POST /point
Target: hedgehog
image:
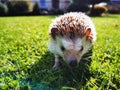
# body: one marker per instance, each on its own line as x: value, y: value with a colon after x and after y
x: 71, y: 36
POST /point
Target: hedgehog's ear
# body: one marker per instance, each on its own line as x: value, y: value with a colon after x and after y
x: 54, y: 32
x: 88, y: 32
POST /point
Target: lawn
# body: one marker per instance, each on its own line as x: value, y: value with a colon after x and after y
x: 26, y: 63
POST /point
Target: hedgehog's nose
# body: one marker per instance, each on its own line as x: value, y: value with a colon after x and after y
x: 73, y: 63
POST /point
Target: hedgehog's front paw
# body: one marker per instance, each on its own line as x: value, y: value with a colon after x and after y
x: 56, y: 62
x: 56, y: 65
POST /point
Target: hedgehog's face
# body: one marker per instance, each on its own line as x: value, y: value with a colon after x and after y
x: 72, y: 51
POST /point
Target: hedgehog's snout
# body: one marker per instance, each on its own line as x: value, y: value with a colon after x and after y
x: 73, y: 62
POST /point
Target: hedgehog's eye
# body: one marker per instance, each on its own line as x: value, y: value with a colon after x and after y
x: 81, y: 49
x: 62, y: 48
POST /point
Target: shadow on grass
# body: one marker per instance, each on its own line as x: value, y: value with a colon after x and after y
x: 63, y: 76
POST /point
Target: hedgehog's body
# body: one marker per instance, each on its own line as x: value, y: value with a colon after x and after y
x: 72, y: 34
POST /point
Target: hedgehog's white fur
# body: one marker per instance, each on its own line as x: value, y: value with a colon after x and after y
x: 69, y: 44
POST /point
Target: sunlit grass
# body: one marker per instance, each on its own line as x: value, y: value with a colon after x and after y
x: 26, y: 63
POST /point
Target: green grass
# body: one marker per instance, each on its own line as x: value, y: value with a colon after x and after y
x: 26, y: 63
